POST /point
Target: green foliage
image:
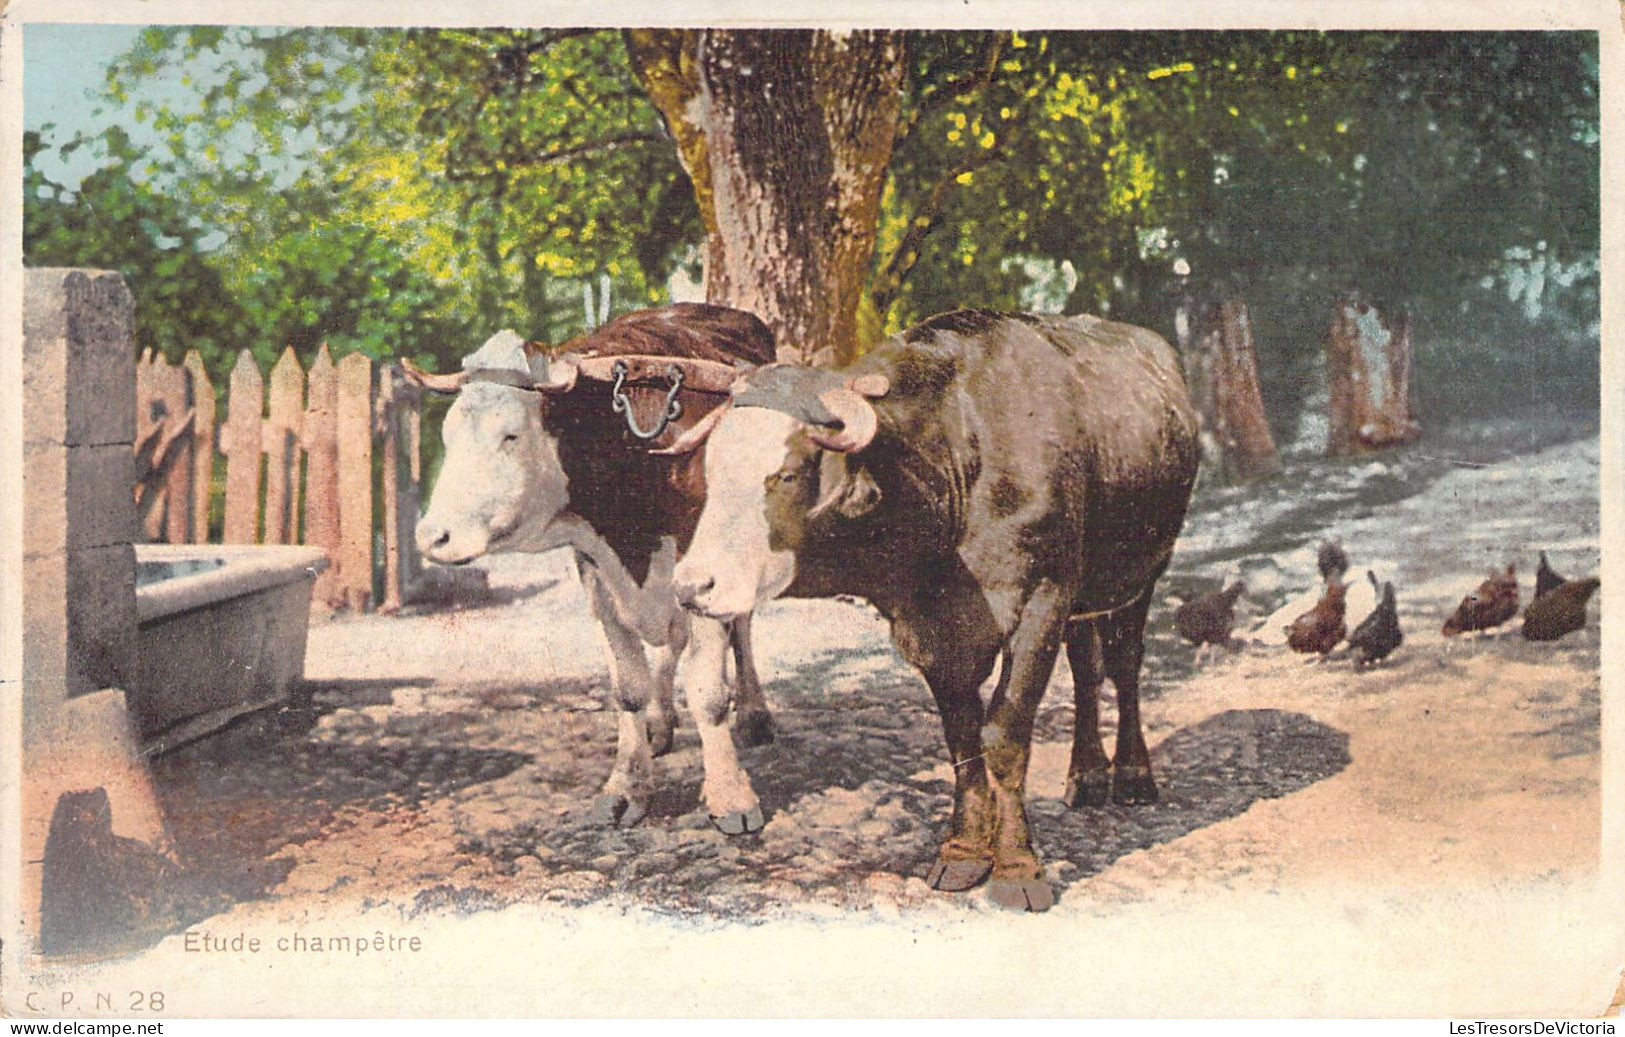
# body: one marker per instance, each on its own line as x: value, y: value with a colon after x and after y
x: 406, y: 191
x: 1282, y: 166
x: 113, y: 222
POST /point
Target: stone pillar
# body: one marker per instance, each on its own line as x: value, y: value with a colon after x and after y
x: 78, y: 589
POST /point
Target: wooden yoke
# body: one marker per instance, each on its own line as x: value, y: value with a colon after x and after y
x: 707, y: 376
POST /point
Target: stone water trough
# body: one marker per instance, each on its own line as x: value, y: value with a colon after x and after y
x: 221, y: 632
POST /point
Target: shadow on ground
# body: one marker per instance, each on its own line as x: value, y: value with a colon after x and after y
x: 496, y: 785
x: 850, y: 812
x: 232, y: 801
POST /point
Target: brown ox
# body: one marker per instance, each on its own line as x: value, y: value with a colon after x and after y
x: 996, y: 484
x: 539, y: 455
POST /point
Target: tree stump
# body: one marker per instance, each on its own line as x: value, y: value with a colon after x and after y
x: 1221, y: 370
x: 1368, y: 370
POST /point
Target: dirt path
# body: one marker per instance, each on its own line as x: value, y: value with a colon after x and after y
x: 456, y: 771
x: 453, y: 753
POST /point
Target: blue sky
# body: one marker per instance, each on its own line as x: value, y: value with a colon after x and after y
x: 64, y: 73
x: 63, y: 65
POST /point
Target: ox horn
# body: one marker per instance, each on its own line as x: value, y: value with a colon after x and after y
x: 851, y: 407
x: 440, y: 383
x: 552, y: 374
x: 690, y: 441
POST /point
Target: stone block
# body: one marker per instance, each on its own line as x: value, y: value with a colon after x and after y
x: 45, y: 626
x: 79, y: 626
x: 76, y: 497
x: 78, y: 358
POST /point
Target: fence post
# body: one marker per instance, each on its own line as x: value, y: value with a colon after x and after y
x: 149, y: 425
x: 401, y: 403
x: 163, y: 450
x: 201, y: 399
x: 354, y: 421
x: 281, y: 438
x: 240, y: 441
x: 320, y: 440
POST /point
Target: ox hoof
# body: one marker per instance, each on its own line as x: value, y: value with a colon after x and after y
x: 660, y: 737
x: 617, y: 811
x: 739, y: 822
x: 1088, y: 790
x: 1021, y: 894
x: 1134, y: 787
x: 753, y: 727
x: 958, y: 875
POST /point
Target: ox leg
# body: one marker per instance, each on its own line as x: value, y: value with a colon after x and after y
x: 1123, y: 645
x: 662, y: 712
x: 954, y: 648
x: 753, y: 724
x: 1018, y: 881
x: 966, y: 857
x: 1089, y: 776
x: 955, y: 654
x: 727, y: 791
x: 624, y: 798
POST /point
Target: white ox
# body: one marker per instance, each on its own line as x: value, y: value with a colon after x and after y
x: 506, y: 485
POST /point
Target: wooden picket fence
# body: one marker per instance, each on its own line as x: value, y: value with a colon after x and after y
x: 300, y: 451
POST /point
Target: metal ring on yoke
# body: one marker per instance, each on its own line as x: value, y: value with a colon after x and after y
x: 670, y: 411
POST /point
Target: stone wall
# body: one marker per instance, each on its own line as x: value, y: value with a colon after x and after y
x: 79, y: 424
x: 79, y: 619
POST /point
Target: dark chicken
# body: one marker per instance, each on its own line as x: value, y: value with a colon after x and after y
x: 1207, y: 620
x: 1378, y: 634
x: 1559, y: 611
x: 1546, y: 578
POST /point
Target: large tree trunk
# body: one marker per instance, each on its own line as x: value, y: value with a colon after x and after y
x: 786, y: 135
x: 1221, y: 370
x: 1368, y: 370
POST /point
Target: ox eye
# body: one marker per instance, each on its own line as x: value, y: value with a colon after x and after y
x: 512, y: 437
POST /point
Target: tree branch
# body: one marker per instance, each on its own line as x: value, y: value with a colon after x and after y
x: 588, y: 147
x: 552, y: 36
x: 954, y: 89
x: 930, y: 211
x: 925, y: 220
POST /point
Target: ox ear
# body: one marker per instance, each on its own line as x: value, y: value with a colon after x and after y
x: 844, y: 487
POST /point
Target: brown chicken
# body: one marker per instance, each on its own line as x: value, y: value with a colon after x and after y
x: 1546, y: 578
x: 1207, y: 620
x: 1493, y: 603
x: 1321, y: 628
x: 1559, y: 611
